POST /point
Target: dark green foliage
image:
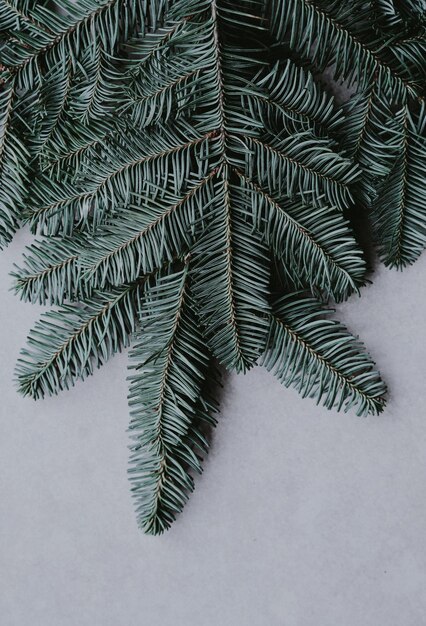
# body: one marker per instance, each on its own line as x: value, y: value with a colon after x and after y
x: 320, y: 357
x: 169, y: 405
x: 69, y: 343
x: 51, y: 272
x: 381, y: 48
x: 13, y: 164
x: 182, y: 154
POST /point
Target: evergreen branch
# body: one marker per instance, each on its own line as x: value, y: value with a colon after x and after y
x: 231, y: 283
x: 70, y: 343
x: 111, y: 182
x: 292, y: 92
x: 141, y: 52
x: 25, y: 17
x: 320, y: 358
x: 316, y: 245
x: 400, y: 14
x: 173, y: 149
x: 339, y: 44
x: 84, y: 19
x: 13, y: 166
x: 399, y: 209
x: 97, y: 95
x: 360, y: 115
x: 51, y: 272
x: 171, y: 363
x: 168, y: 84
x: 398, y: 42
x: 136, y: 244
x: 390, y: 147
x: 54, y: 95
x: 300, y: 166
x: 79, y: 146
x: 169, y: 99
x: 98, y: 86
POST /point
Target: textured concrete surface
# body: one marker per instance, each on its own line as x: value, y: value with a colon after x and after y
x: 303, y: 517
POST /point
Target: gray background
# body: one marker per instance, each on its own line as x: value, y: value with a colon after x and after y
x: 303, y: 517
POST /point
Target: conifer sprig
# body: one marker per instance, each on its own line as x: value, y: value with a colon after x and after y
x: 169, y: 364
x: 381, y: 49
x: 181, y: 155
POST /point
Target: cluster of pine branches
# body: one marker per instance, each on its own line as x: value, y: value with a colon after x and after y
x: 191, y: 181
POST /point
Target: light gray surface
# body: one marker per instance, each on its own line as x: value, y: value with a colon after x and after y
x: 303, y: 517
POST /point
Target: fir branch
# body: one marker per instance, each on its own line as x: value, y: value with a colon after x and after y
x: 307, y: 167
x: 112, y: 183
x: 231, y: 283
x: 9, y: 12
x: 355, y: 59
x: 320, y: 358
x: 170, y: 364
x: 175, y: 149
x: 13, y: 165
x: 78, y: 148
x: 390, y: 146
x: 137, y: 244
x: 316, y: 245
x: 20, y: 58
x: 51, y: 271
x: 399, y: 209
x: 70, y: 343
x: 292, y: 92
